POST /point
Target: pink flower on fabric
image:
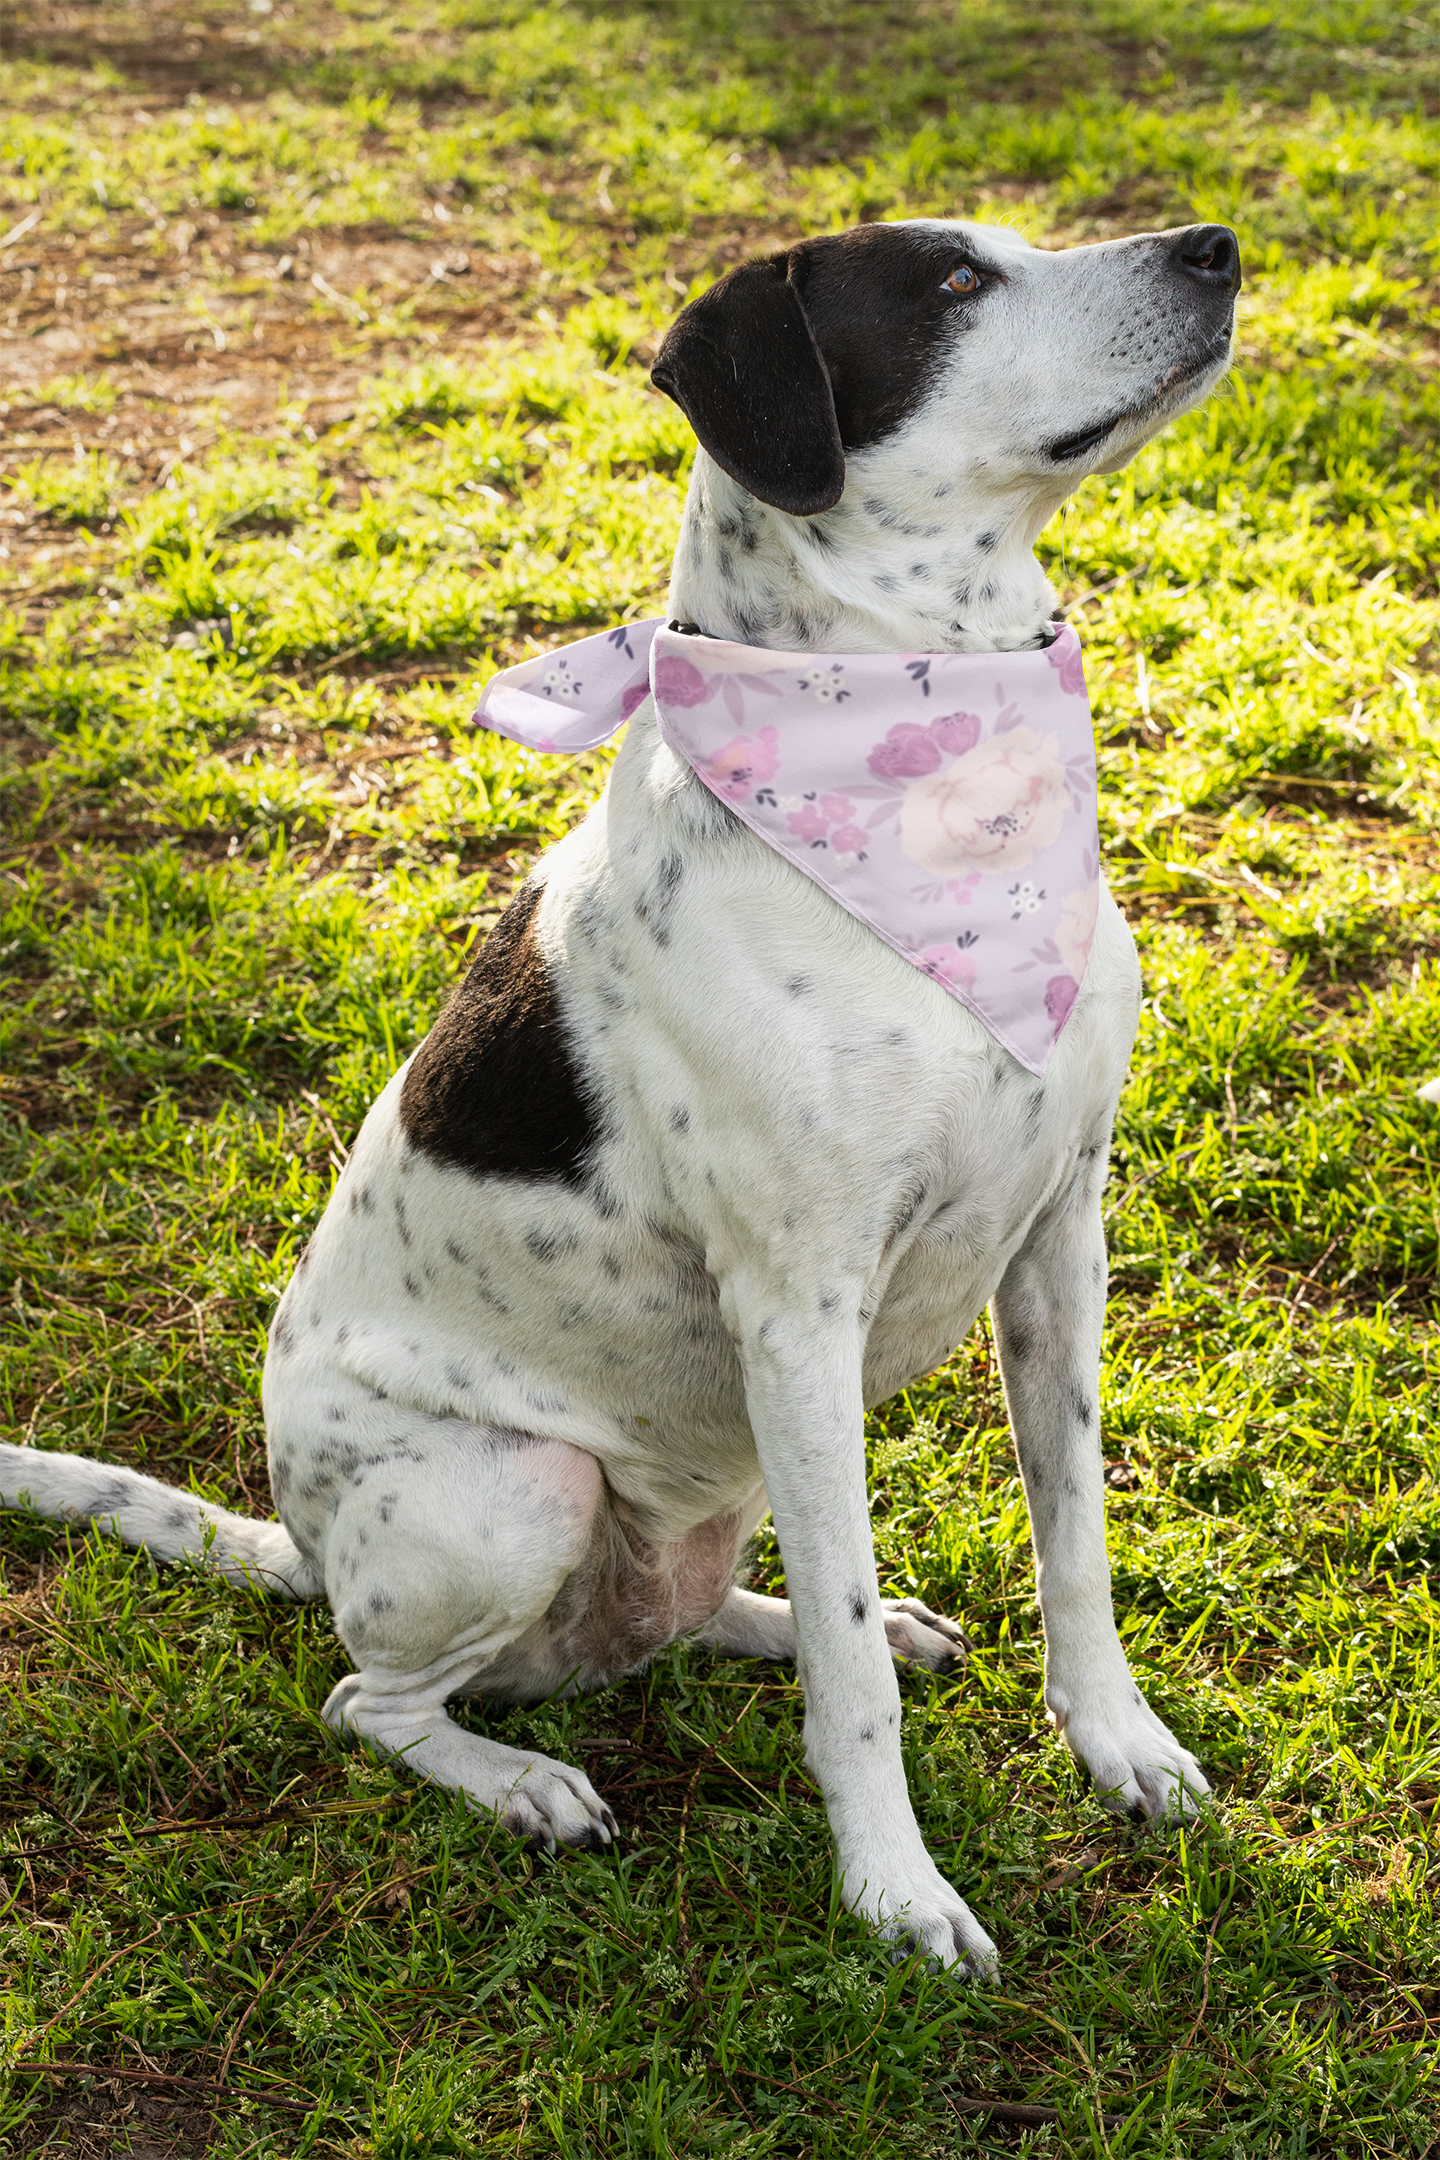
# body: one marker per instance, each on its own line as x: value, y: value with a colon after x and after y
x: 837, y: 808
x: 810, y: 823
x: 947, y: 964
x: 906, y: 752
x: 1060, y: 994
x: 1069, y: 664
x: 634, y: 697
x: 678, y: 682
x: 746, y: 763
x: 909, y: 750
x: 993, y: 809
x: 1075, y: 931
x: 849, y: 840
x: 956, y: 732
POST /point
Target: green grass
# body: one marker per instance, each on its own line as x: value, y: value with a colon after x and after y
x: 249, y: 840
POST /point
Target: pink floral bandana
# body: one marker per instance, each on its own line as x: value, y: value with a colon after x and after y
x: 947, y: 800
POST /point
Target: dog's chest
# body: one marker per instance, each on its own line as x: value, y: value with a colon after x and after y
x: 752, y: 1048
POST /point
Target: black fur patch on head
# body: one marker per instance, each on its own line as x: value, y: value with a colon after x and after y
x: 742, y: 364
x: 787, y: 364
x: 494, y: 1087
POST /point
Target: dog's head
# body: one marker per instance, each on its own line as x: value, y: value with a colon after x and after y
x: 957, y: 346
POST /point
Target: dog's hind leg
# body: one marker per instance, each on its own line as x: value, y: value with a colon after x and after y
x: 440, y: 1563
x: 764, y: 1627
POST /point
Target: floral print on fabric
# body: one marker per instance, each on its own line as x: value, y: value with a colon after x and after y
x: 909, y: 750
x: 946, y: 800
x: 995, y: 808
x: 1069, y: 665
x: 738, y: 768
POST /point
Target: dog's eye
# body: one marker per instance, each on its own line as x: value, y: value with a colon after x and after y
x: 963, y: 279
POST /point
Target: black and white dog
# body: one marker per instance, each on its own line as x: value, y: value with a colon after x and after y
x: 693, y: 1167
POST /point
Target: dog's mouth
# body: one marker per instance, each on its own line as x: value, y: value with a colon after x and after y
x: 1069, y: 447
x: 1065, y: 449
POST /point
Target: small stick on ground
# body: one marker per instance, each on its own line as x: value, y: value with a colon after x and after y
x: 1029, y: 2114
x: 202, y: 2088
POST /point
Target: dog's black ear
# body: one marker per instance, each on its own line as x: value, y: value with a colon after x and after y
x: 742, y: 364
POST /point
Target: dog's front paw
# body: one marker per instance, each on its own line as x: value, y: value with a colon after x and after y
x: 1138, y: 1767
x: 925, y: 1917
x: 923, y: 1637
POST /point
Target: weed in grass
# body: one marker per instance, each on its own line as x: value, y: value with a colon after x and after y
x: 326, y: 395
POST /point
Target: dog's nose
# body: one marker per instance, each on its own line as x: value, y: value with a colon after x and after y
x: 1210, y: 254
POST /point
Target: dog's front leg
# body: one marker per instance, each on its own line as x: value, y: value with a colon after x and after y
x: 803, y: 1391
x: 1049, y: 1314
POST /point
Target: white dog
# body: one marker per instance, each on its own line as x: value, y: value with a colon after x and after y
x: 693, y: 1167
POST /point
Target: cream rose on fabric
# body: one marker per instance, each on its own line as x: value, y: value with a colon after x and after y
x: 992, y: 809
x: 1075, y: 931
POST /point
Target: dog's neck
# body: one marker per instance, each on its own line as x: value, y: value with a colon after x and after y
x: 905, y: 562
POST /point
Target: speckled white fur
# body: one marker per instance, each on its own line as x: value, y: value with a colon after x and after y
x: 520, y: 1430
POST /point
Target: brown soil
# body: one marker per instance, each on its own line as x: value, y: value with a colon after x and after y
x: 102, y: 2118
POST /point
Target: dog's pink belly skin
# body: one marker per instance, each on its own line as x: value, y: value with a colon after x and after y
x: 628, y: 1598
x: 635, y: 1594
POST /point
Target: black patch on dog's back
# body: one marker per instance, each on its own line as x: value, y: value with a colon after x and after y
x: 493, y: 1087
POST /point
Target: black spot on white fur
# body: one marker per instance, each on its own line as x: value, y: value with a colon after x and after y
x: 494, y: 1087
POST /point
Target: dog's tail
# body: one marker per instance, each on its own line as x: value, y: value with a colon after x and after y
x: 168, y: 1523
